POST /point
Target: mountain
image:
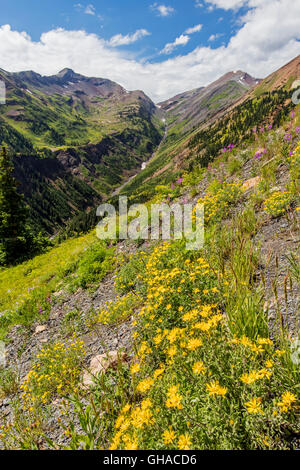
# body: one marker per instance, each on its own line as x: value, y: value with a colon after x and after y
x: 195, y: 106
x: 76, y: 139
x: 203, y: 121
x: 145, y: 344
x: 72, y: 132
x: 283, y: 77
x: 267, y: 104
x: 185, y: 114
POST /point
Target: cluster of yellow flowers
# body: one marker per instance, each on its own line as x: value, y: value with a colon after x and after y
x: 174, y: 398
x: 116, y: 311
x: 214, y: 388
x: 174, y: 373
x: 253, y: 406
x: 277, y: 203
x: 287, y: 400
x: 252, y: 376
x: 55, y: 372
x: 217, y: 205
x: 137, y: 417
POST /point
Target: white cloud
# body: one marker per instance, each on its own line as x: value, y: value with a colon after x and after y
x: 180, y: 41
x: 90, y: 10
x: 213, y: 37
x: 267, y: 39
x: 120, y: 40
x: 162, y: 10
x: 194, y: 29
x: 227, y: 4
x: 198, y: 4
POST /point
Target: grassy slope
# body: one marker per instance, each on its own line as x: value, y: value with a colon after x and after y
x: 35, y: 115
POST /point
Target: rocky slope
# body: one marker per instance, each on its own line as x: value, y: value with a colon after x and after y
x: 196, y: 106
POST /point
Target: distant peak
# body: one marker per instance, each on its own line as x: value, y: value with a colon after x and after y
x: 27, y: 74
x: 66, y: 72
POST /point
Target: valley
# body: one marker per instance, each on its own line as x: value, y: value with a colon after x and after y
x: 80, y: 137
x: 142, y: 344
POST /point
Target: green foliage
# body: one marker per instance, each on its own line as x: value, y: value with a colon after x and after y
x: 234, y: 165
x: 17, y: 242
x: 25, y: 289
x: 93, y: 265
x: 129, y: 275
x: 277, y: 203
x: 219, y: 198
x: 9, y: 382
x: 239, y: 125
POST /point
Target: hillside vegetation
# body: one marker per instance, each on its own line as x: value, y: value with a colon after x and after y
x: 207, y: 340
x: 74, y: 140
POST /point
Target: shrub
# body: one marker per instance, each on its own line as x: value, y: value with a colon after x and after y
x: 55, y: 372
x: 277, y: 203
x: 218, y: 201
x: 234, y: 165
x: 93, y: 265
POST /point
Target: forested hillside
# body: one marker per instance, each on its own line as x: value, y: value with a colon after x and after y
x: 76, y: 136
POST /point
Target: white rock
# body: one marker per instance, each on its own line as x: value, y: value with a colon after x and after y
x: 100, y: 364
x: 39, y: 329
x: 251, y: 183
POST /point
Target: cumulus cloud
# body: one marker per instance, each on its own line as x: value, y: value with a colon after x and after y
x: 268, y: 37
x: 180, y: 41
x: 120, y: 40
x: 194, y: 29
x: 162, y: 10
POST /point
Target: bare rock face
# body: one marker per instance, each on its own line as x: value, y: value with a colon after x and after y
x: 40, y: 329
x: 101, y: 363
x: 251, y: 183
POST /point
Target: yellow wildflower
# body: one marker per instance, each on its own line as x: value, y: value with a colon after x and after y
x: 168, y: 436
x: 184, y: 442
x: 287, y: 399
x: 214, y: 388
x: 198, y: 368
x: 254, y: 406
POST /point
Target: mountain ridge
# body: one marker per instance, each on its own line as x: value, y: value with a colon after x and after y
x: 201, y: 103
x: 99, y: 133
x: 267, y: 102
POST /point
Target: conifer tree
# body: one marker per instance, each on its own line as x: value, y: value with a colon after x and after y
x: 13, y: 212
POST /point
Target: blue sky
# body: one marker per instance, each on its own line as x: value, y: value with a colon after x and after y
x: 162, y: 47
x: 165, y: 21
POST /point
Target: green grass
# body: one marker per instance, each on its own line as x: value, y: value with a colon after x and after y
x: 25, y: 290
